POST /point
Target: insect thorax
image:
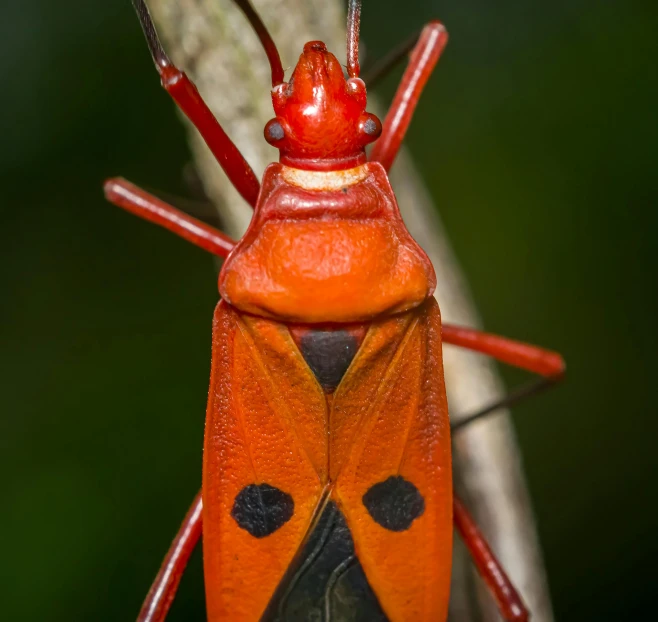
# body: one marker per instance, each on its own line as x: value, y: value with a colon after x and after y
x: 326, y: 247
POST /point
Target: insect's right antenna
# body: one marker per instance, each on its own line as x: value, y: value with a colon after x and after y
x: 160, y: 57
x: 265, y: 39
x: 353, y: 25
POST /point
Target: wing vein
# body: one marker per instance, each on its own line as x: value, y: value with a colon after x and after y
x: 274, y: 395
x: 366, y: 424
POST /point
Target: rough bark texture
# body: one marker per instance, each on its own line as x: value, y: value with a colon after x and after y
x: 213, y: 43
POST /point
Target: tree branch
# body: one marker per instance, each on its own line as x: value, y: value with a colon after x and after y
x: 212, y: 42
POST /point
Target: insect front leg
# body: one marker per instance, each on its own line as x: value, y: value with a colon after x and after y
x: 161, y: 595
x: 548, y: 364
x: 424, y: 57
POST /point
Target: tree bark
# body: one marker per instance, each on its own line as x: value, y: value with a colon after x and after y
x: 212, y: 41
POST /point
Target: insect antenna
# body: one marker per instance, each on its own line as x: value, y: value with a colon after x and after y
x: 353, y: 26
x: 162, y: 60
x: 266, y: 40
x: 160, y: 57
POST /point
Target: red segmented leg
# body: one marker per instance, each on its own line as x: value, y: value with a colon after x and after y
x: 508, y: 599
x: 546, y: 363
x: 524, y: 355
x: 139, y: 202
x: 162, y: 592
x: 424, y: 57
x: 185, y: 94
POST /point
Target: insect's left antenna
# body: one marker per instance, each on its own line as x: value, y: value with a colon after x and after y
x: 353, y: 27
x: 186, y: 95
x: 266, y: 40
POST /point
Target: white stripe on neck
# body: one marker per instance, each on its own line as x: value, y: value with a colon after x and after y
x: 324, y: 180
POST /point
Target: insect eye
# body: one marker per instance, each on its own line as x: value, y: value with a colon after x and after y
x: 371, y: 127
x: 274, y: 132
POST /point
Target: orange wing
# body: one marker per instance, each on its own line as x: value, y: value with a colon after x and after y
x: 391, y: 464
x: 379, y: 446
x: 264, y: 462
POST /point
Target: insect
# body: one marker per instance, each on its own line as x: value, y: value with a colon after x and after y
x: 327, y: 479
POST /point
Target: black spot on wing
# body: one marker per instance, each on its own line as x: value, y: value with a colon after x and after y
x: 328, y: 353
x: 261, y: 509
x: 394, y: 503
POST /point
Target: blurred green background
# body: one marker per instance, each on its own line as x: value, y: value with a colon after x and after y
x: 537, y: 137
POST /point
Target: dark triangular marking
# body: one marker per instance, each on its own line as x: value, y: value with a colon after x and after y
x: 326, y: 582
x: 328, y: 353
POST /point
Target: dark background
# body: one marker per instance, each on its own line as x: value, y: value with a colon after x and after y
x: 538, y: 140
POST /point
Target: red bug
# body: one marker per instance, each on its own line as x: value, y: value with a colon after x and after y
x: 327, y: 481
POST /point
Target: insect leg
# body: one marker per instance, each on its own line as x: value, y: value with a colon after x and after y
x: 424, y: 57
x: 524, y: 355
x: 139, y: 202
x: 514, y: 397
x: 162, y: 592
x: 508, y: 599
x: 550, y: 365
x: 186, y: 95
